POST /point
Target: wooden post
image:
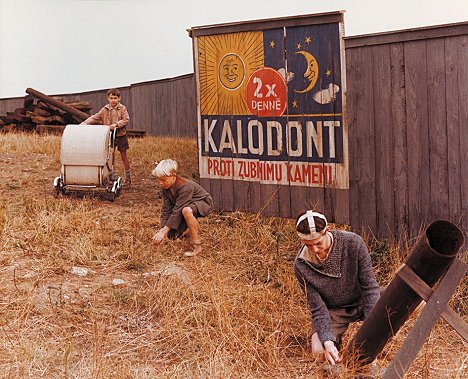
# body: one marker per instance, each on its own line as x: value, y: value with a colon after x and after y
x: 81, y: 116
x: 436, y: 306
x: 423, y: 290
x: 430, y: 259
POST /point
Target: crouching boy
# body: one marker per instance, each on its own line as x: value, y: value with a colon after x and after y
x: 183, y: 202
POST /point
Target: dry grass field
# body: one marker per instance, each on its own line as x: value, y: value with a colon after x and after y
x: 235, y: 311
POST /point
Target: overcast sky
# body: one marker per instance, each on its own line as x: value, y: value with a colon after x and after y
x: 66, y: 46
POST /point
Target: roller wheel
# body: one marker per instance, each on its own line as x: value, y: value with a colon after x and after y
x: 58, y: 187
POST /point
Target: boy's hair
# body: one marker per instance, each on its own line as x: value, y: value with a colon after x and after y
x: 113, y: 91
x: 166, y: 167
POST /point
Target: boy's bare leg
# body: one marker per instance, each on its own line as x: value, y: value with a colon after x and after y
x: 126, y: 163
x: 192, y: 224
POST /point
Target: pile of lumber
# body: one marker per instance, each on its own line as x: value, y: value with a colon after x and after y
x: 42, y: 114
x: 47, y: 114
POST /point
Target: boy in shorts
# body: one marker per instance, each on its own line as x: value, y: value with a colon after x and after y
x: 183, y: 202
x: 116, y: 116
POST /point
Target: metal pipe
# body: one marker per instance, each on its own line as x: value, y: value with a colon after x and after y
x: 429, y: 259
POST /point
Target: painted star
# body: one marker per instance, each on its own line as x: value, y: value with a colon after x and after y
x: 294, y: 104
x: 328, y: 72
x: 299, y: 46
x: 307, y: 40
x: 272, y: 44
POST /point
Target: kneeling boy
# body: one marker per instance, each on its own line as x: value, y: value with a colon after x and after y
x: 183, y: 201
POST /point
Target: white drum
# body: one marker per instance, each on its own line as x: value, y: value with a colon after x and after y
x: 84, y: 154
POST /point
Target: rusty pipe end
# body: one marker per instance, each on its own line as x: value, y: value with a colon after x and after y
x: 444, y: 237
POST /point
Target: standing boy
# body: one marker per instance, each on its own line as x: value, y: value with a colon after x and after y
x: 116, y: 116
x: 183, y: 201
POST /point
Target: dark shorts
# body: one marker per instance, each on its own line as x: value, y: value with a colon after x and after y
x: 121, y: 143
x: 341, y: 318
x: 174, y: 234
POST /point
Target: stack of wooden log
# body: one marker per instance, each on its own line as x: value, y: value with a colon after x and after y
x: 39, y: 115
x: 46, y: 114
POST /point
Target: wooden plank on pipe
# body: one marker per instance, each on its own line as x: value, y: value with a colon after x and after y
x: 426, y: 321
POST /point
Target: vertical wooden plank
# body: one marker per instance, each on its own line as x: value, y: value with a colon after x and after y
x: 179, y: 100
x: 284, y: 200
x: 145, y: 109
x: 462, y: 49
x: 171, y: 96
x: 165, y: 110
x: 153, y: 108
x: 398, y: 125
x: 135, y: 110
x: 341, y: 203
x: 126, y: 98
x: 418, y: 135
x: 165, y: 125
x: 352, y: 62
x: 452, y: 47
x: 185, y: 92
x: 437, y: 125
x: 364, y: 144
x: 140, y: 118
x: 304, y: 198
x: 383, y: 128
x: 191, y: 108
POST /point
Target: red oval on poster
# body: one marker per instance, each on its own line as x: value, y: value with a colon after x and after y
x: 266, y: 93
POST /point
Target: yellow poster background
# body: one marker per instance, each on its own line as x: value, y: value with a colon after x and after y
x: 226, y: 62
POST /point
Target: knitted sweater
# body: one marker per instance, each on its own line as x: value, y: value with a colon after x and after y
x: 345, y: 279
x: 183, y: 193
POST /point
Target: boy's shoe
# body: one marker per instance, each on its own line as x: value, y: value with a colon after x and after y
x: 127, y: 182
x: 196, y: 249
x: 128, y: 179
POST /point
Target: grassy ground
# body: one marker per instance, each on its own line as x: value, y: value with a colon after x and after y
x: 235, y: 311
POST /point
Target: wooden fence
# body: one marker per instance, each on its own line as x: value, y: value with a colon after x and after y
x: 407, y: 113
x: 164, y: 107
x: 408, y: 129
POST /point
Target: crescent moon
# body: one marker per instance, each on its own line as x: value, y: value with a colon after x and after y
x: 312, y: 70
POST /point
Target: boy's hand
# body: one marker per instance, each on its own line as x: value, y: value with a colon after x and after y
x: 113, y: 126
x: 331, y: 352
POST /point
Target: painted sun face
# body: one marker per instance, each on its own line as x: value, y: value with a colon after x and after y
x: 225, y: 62
x: 231, y: 71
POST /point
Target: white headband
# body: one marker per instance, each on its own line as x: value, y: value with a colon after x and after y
x: 314, y: 234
